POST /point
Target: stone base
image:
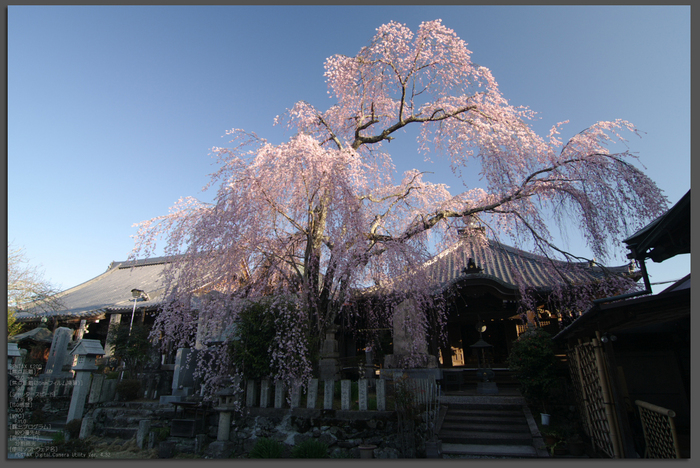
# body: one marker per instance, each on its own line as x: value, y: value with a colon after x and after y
x: 184, y: 392
x: 220, y: 449
x: 433, y: 449
x: 166, y: 399
x: 486, y: 388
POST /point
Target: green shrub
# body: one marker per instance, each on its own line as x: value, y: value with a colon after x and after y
x: 310, y: 448
x: 73, y: 428
x: 129, y: 389
x: 534, y: 364
x: 131, y: 345
x: 267, y: 448
x: 59, y: 437
x: 162, y: 433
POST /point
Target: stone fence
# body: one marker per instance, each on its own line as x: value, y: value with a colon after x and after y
x: 264, y: 394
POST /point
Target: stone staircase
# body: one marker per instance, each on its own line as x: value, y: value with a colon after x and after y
x: 21, y: 442
x: 121, y: 420
x: 490, y: 426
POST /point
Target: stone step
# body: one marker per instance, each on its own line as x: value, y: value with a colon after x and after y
x: 124, y: 433
x: 485, y: 419
x: 483, y: 413
x: 510, y: 451
x: 485, y: 437
x: 490, y: 407
x: 493, y: 427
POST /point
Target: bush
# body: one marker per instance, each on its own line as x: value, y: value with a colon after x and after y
x: 73, y: 428
x: 310, y: 448
x: 129, y: 389
x: 162, y: 433
x: 267, y: 448
x: 59, y: 437
x: 534, y: 364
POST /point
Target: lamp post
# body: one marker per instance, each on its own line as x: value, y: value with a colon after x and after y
x: 136, y: 294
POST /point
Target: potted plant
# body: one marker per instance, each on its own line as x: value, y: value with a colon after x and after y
x: 555, y: 440
x: 534, y: 365
x: 551, y: 436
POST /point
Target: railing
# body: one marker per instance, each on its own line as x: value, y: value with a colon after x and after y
x: 659, y: 431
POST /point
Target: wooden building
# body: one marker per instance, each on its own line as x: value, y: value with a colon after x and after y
x: 628, y: 354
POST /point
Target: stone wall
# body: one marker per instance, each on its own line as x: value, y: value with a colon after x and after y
x: 343, y: 431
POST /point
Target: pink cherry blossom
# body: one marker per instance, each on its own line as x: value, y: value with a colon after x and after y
x: 323, y: 218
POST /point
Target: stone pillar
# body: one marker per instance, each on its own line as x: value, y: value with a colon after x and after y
x: 328, y: 387
x: 80, y: 392
x: 265, y: 393
x: 87, y: 427
x: 345, y: 393
x: 295, y: 394
x: 279, y: 394
x: 312, y: 393
x: 224, y: 426
x: 381, y: 395
x: 142, y: 433
x: 96, y: 388
x: 362, y: 393
x: 109, y: 390
x: 250, y: 394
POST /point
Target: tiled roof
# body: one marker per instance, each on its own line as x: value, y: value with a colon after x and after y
x: 503, y: 264
x: 111, y: 291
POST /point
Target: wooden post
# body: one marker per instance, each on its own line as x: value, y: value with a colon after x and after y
x: 584, y: 394
x: 605, y: 388
x: 625, y: 432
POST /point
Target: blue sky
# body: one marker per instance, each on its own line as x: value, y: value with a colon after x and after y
x: 112, y: 110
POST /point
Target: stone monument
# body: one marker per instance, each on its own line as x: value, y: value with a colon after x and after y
x: 58, y: 354
x: 329, y: 368
x: 410, y: 351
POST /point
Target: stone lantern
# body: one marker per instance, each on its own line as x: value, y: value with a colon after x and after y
x: 227, y: 402
x: 12, y: 355
x: 484, y: 357
x: 228, y: 399
x: 85, y: 354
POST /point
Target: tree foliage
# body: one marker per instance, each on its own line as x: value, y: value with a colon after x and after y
x: 250, y: 349
x: 324, y: 214
x: 131, y: 345
x: 26, y: 288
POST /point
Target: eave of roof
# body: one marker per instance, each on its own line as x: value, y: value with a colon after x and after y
x: 509, y: 267
x: 109, y: 292
x: 670, y: 304
x: 666, y: 236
